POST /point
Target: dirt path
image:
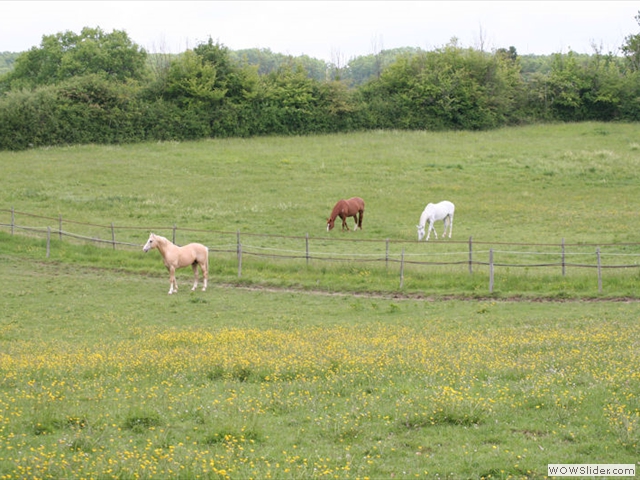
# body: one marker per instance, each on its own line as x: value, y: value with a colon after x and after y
x: 423, y: 297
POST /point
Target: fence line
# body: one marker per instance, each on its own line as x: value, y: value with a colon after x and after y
x: 402, y: 258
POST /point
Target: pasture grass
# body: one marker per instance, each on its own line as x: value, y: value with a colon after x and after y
x: 336, y: 371
x: 103, y: 375
x: 377, y: 277
x: 532, y: 185
x: 535, y: 184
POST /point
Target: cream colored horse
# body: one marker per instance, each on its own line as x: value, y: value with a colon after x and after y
x: 175, y: 257
x: 434, y: 212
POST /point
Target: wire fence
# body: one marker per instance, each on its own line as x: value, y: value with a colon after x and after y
x: 470, y: 254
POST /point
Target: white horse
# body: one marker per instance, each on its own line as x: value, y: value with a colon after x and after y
x: 434, y: 212
x: 174, y: 257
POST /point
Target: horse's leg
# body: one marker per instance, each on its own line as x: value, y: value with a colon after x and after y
x: 360, y: 220
x: 194, y: 266
x: 431, y: 228
x: 173, y: 287
x: 450, y: 225
x: 205, y: 273
x: 344, y: 223
x: 355, y: 219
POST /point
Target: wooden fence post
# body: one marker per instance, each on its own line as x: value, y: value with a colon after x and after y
x: 402, y: 269
x: 113, y: 236
x: 599, y: 270
x: 470, y: 255
x: 239, y: 253
x: 174, y: 233
x: 386, y: 255
x: 48, y: 241
x: 306, y: 239
x: 60, y: 227
x: 491, y: 270
x: 13, y: 220
x: 563, y: 260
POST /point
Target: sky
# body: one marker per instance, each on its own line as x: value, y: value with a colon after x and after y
x: 334, y: 31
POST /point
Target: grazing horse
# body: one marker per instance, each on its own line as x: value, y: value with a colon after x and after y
x: 433, y: 212
x: 354, y: 207
x: 175, y: 257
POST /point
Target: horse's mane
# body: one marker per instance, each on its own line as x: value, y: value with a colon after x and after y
x: 162, y: 240
x: 337, y: 207
x: 424, y: 214
x: 161, y: 237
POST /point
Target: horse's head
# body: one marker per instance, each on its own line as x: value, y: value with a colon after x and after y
x: 330, y: 223
x: 421, y: 232
x: 150, y: 243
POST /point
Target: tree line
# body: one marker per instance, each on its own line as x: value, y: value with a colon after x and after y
x: 99, y: 87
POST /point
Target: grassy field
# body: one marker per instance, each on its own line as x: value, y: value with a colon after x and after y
x: 106, y: 376
x: 531, y: 184
x: 534, y: 185
x: 335, y: 373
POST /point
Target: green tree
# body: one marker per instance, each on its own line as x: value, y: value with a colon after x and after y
x: 238, y: 82
x: 191, y: 80
x: 565, y: 86
x: 66, y: 55
x: 287, y: 101
x: 604, y: 90
x: 450, y: 88
x: 7, y: 61
x: 631, y: 48
x: 267, y: 61
x: 213, y: 88
x: 361, y: 69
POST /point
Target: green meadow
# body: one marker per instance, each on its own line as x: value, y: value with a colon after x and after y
x: 535, y: 185
x: 531, y: 184
x: 327, y: 369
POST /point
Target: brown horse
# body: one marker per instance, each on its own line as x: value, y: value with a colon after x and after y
x: 354, y: 207
x: 175, y: 257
